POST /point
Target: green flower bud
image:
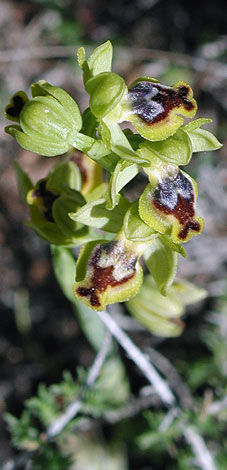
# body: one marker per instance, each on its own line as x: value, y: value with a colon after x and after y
x: 108, y: 272
x: 106, y: 90
x: 48, y: 123
x: 51, y: 200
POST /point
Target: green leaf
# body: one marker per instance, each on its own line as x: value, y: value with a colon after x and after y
x: 134, y: 227
x: 23, y: 181
x: 96, y: 215
x: 162, y: 263
x: 101, y: 59
x: 203, y: 141
x: 176, y: 149
x: 123, y: 173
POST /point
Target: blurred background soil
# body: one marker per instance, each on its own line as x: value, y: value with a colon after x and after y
x: 177, y: 40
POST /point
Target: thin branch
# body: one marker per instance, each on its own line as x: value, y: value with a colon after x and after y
x: 139, y: 358
x: 134, y: 407
x: 169, y: 418
x: 71, y: 411
x: 174, y: 379
x: 204, y: 459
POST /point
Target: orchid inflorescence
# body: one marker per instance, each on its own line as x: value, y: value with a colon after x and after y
x: 73, y: 205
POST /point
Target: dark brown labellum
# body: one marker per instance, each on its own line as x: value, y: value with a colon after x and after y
x: 103, y: 262
x: 175, y: 196
x: 153, y: 102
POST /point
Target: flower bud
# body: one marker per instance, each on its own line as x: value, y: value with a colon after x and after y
x: 51, y: 200
x: 48, y: 123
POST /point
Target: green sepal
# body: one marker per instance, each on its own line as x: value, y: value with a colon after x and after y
x: 49, y: 231
x: 105, y: 90
x: 176, y: 149
x: 188, y: 293
x: 101, y: 59
x: 15, y: 106
x: 203, y: 140
x: 118, y: 277
x: 162, y: 263
x: 60, y: 210
x: 45, y: 118
x: 23, y: 181
x: 159, y: 314
x: 64, y: 174
x: 37, y: 145
x: 90, y: 123
x: 134, y: 227
x: 95, y: 214
x: 123, y: 173
x: 97, y: 192
x: 70, y: 106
